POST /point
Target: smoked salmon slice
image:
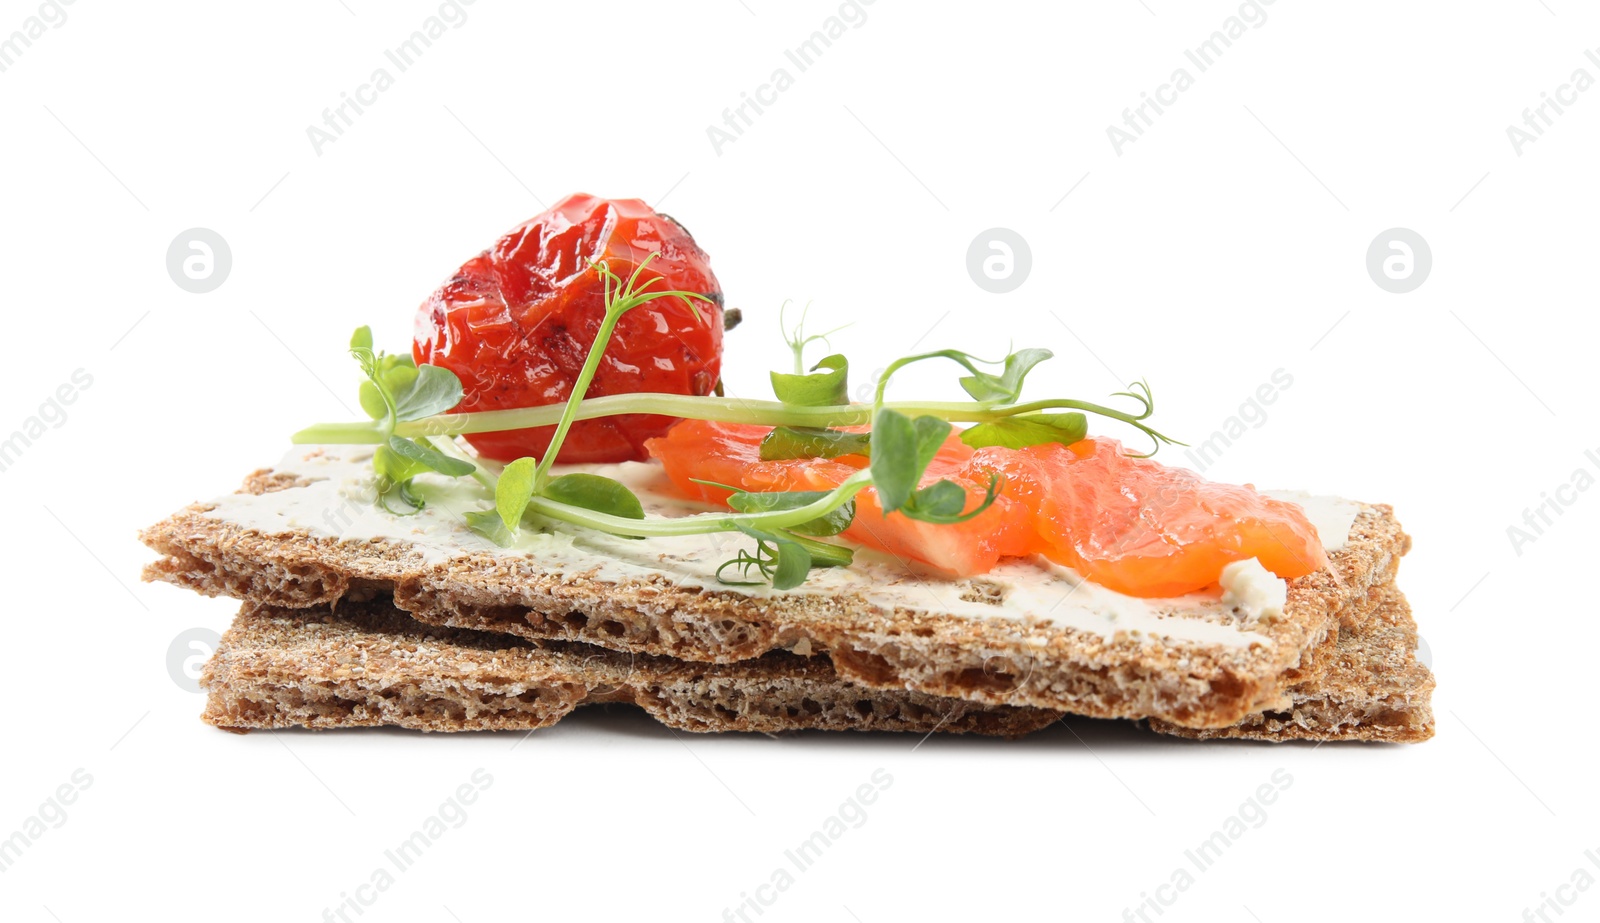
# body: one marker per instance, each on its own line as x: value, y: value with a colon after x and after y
x: 1146, y: 529
x: 1130, y: 524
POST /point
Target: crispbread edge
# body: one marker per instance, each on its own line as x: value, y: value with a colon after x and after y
x: 1365, y: 684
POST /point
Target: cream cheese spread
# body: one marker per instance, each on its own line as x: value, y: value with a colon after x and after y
x: 1252, y: 590
x: 336, y: 499
x: 1332, y: 516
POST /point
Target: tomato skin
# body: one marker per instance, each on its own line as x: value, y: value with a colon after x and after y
x: 516, y: 323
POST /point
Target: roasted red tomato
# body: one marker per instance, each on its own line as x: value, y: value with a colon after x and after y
x: 515, y: 324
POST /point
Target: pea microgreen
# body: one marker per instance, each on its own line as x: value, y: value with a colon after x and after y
x: 831, y: 523
x: 808, y: 442
x: 797, y: 338
x: 783, y: 558
x: 985, y: 387
x: 397, y: 391
x: 1019, y: 432
x: 409, y: 407
x: 594, y: 492
x: 824, y: 386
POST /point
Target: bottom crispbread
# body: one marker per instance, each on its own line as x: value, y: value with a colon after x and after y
x: 370, y: 665
x: 1367, y: 684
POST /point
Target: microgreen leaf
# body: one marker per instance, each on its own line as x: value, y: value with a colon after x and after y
x: 403, y: 489
x: 792, y: 565
x: 513, y: 491
x: 941, y: 499
x: 387, y: 463
x: 432, y: 459
x: 824, y: 388
x: 902, y: 448
x: 771, y: 501
x: 597, y: 493
x: 488, y: 524
x: 941, y: 502
x: 431, y: 390
x: 389, y: 375
x: 388, y: 379
x: 807, y: 442
x: 893, y: 458
x: 931, y: 434
x: 372, y: 401
x: 390, y: 490
x: 1024, y: 430
x: 1006, y: 386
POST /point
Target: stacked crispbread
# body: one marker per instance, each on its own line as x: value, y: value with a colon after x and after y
x: 355, y: 617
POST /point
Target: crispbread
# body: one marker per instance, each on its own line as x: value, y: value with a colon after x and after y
x: 368, y: 665
x: 1367, y: 685
x: 995, y: 661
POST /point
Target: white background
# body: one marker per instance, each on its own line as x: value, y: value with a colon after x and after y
x: 1226, y: 243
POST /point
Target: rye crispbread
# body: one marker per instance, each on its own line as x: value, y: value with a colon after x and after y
x: 1366, y: 685
x: 369, y: 665
x: 993, y: 661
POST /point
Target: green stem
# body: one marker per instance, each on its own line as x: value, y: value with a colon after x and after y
x: 480, y: 468
x: 702, y: 523
x: 902, y: 362
x: 690, y: 407
x: 569, y: 410
x: 658, y: 526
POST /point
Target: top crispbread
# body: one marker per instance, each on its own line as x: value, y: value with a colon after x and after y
x: 1198, y: 666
